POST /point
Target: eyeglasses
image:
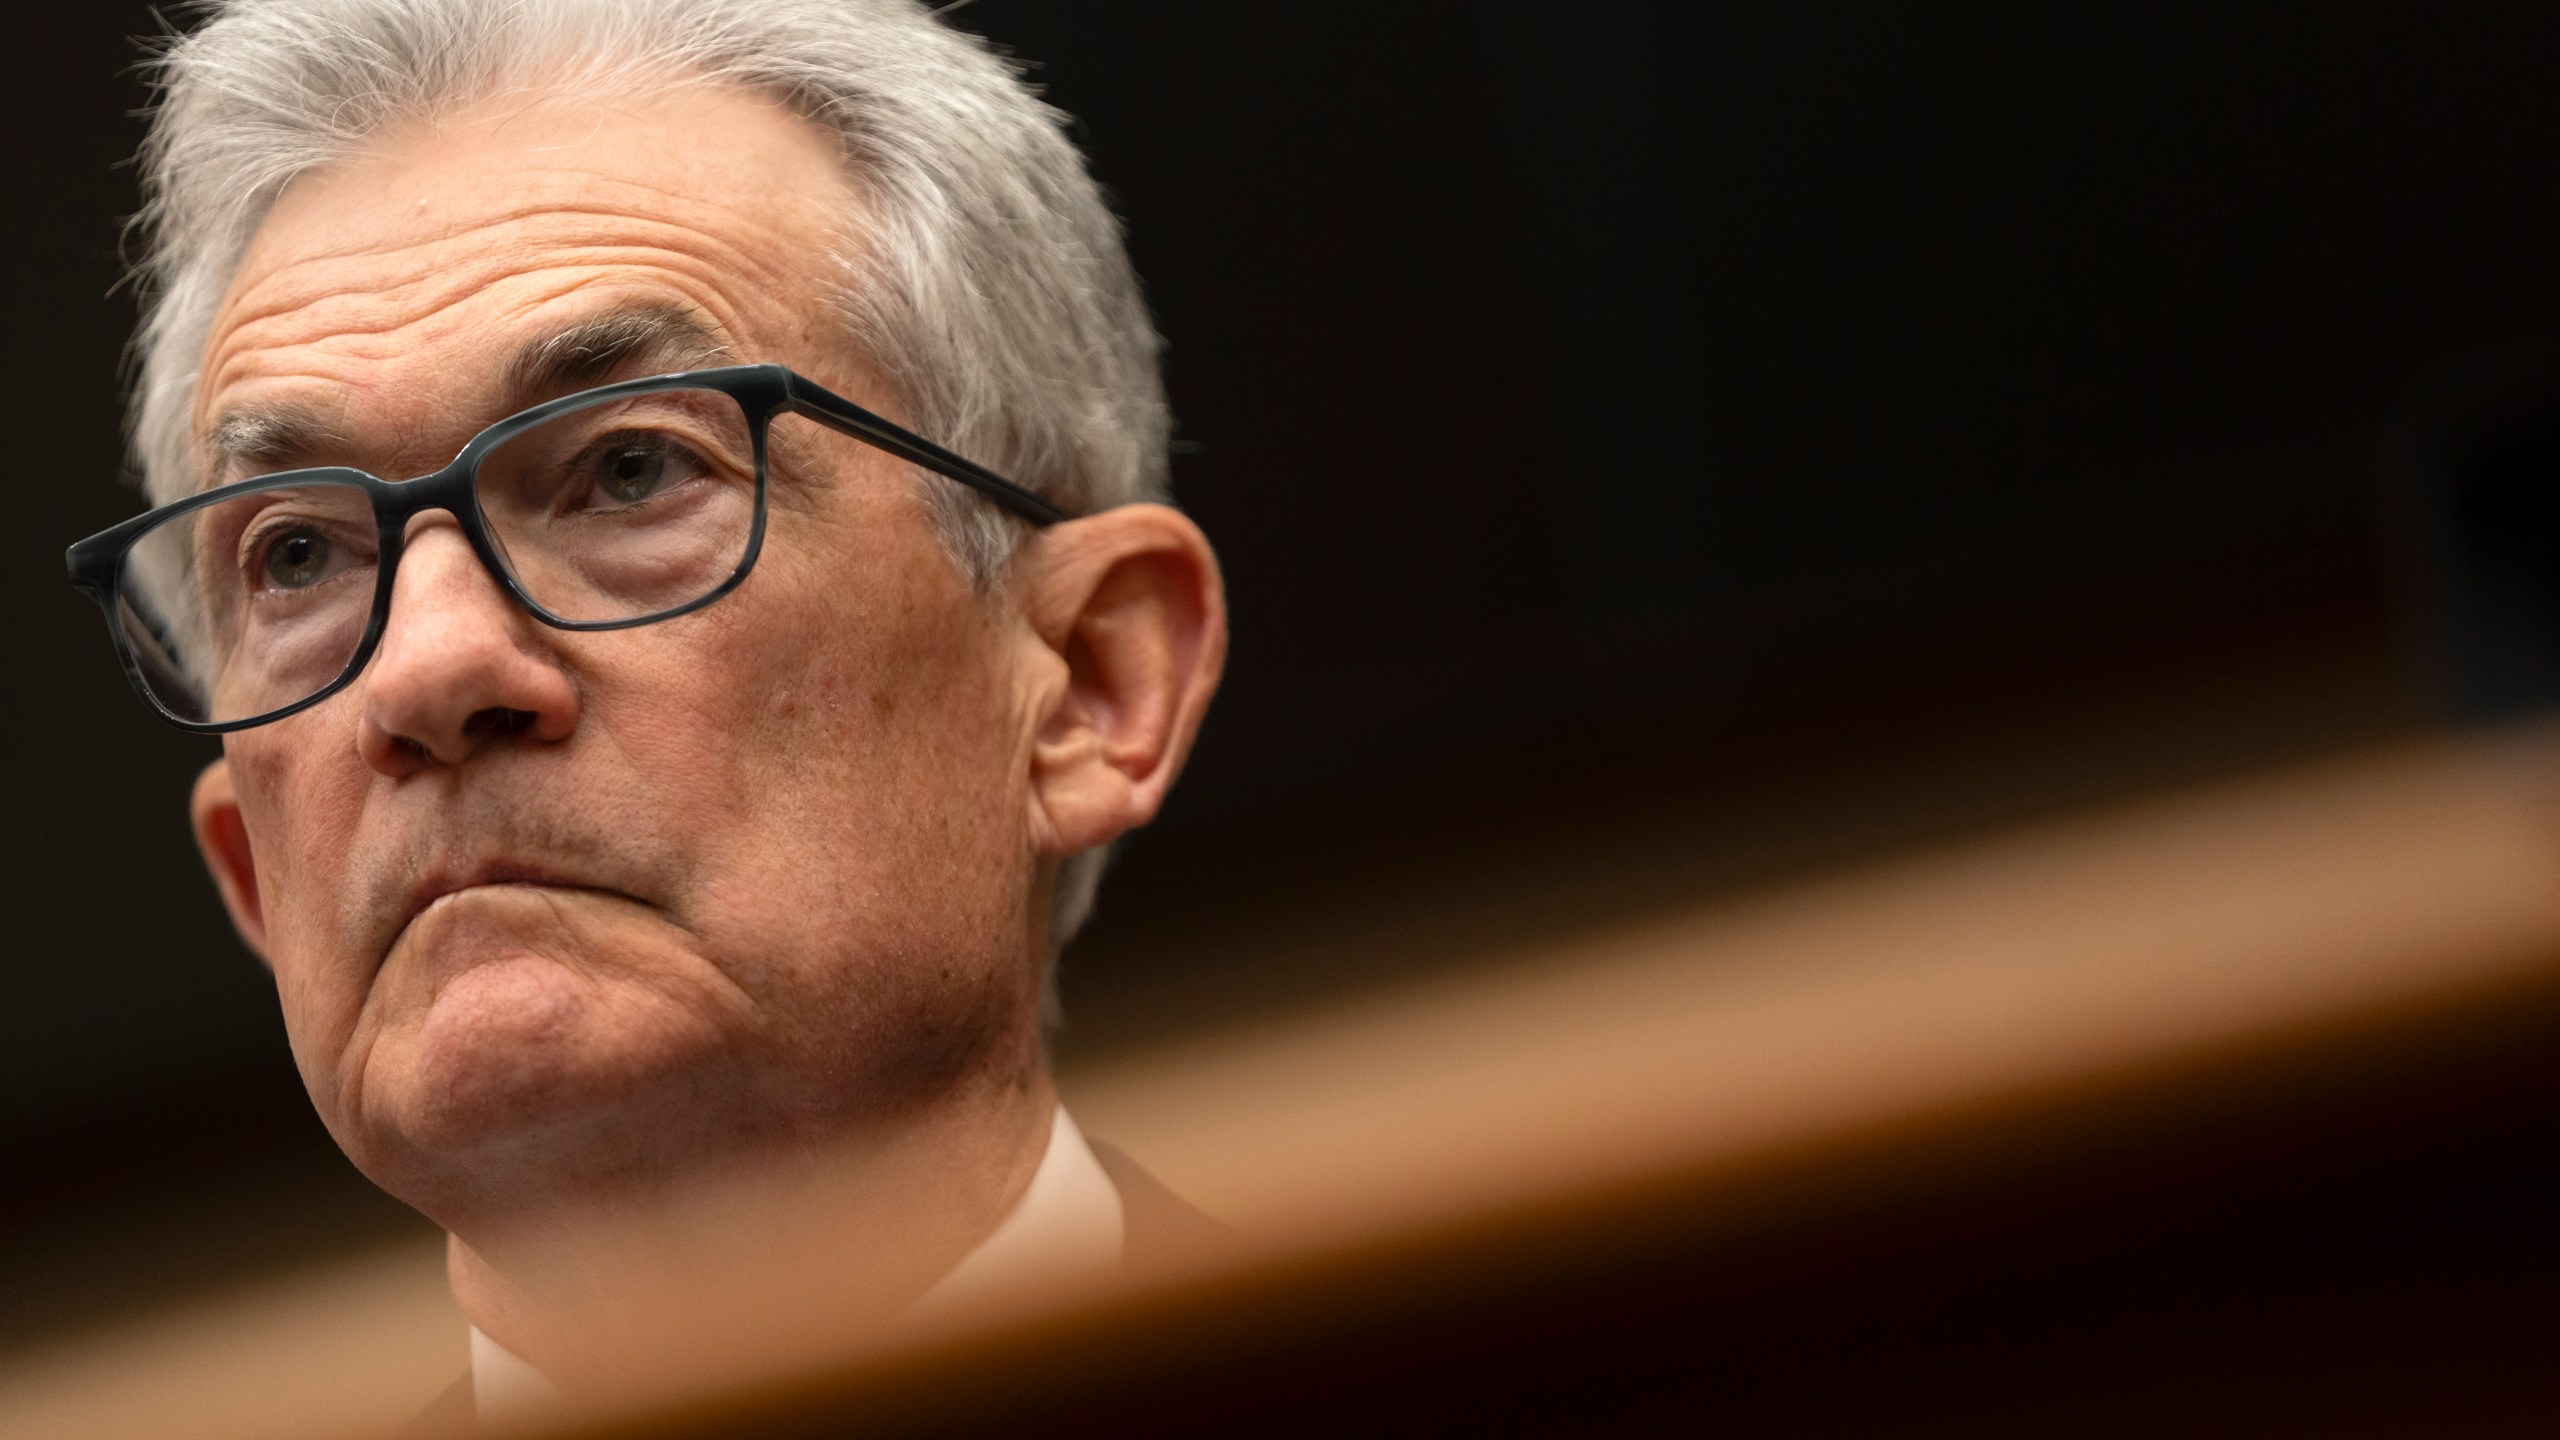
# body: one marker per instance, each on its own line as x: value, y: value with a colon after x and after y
x: 614, y: 507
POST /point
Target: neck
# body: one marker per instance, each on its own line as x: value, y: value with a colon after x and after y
x: 756, y: 1263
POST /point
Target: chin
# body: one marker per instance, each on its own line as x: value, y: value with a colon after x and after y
x: 524, y: 1050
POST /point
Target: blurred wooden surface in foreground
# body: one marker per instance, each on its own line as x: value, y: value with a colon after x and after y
x: 2223, y: 1112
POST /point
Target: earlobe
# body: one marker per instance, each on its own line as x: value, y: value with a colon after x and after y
x: 223, y: 839
x: 1130, y: 602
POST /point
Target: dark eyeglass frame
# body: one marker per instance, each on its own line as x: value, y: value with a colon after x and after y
x: 761, y: 391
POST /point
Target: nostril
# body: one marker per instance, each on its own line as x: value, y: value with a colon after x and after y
x: 497, y: 720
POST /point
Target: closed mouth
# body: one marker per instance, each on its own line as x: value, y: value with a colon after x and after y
x: 438, y: 888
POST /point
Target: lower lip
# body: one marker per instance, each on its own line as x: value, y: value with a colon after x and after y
x: 451, y: 895
x: 461, y: 891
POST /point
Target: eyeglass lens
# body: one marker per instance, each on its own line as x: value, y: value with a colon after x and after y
x: 619, y: 510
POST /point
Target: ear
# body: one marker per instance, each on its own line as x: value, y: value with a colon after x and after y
x: 1131, y: 620
x: 224, y: 840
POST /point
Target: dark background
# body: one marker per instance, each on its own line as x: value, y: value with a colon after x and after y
x: 1652, y: 452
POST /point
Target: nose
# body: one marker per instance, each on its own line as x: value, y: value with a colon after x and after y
x: 459, y: 666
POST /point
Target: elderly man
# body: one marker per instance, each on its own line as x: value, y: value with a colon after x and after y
x: 659, y: 499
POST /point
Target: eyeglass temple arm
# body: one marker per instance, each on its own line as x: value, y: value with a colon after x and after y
x: 825, y: 406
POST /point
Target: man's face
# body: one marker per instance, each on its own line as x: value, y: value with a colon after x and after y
x: 748, y: 877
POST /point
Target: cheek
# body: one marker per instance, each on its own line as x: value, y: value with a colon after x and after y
x: 302, y: 792
x: 852, y: 722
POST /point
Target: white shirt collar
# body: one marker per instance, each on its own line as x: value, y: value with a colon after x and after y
x: 1068, y: 1224
x: 505, y: 1388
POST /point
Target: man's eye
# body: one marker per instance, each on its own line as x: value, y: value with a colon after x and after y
x: 627, y: 469
x: 298, y: 558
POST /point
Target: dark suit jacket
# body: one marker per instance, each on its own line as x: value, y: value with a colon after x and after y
x: 1159, y: 1229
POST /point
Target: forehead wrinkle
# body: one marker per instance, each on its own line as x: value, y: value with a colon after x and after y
x: 321, y: 310
x: 330, y: 302
x: 282, y: 347
x: 435, y: 278
x: 487, y: 230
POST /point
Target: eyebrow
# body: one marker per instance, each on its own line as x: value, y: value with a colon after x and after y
x: 266, y: 437
x: 655, y: 337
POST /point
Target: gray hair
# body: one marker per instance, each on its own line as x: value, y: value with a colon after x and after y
x: 987, y: 277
